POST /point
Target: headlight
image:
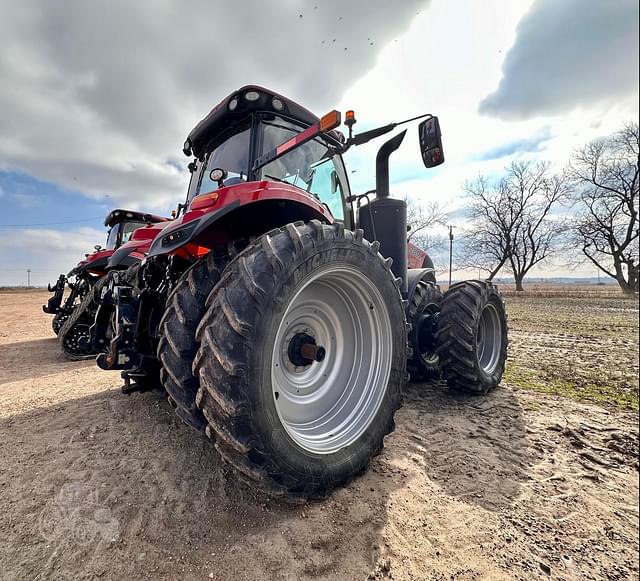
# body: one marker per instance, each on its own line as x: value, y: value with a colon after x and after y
x: 179, y: 234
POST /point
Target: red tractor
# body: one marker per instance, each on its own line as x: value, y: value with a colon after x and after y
x: 82, y: 278
x: 279, y: 309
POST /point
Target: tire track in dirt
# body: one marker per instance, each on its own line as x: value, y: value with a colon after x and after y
x: 95, y: 484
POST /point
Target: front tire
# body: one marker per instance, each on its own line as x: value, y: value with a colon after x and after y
x: 472, y: 337
x: 424, y: 306
x: 74, y: 335
x: 299, y: 427
x: 59, y: 320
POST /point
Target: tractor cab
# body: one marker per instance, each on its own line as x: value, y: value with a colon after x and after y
x: 256, y: 136
x: 123, y: 223
x: 233, y: 142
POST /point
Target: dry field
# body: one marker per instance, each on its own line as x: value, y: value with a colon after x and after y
x: 535, y: 481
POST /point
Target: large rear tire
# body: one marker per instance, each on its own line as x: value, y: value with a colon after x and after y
x: 472, y: 337
x: 424, y: 306
x: 302, y: 359
x: 178, y: 345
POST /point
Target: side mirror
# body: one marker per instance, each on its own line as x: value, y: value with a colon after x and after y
x: 334, y: 181
x: 431, y: 142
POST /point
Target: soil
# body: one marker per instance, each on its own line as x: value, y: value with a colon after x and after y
x: 98, y: 485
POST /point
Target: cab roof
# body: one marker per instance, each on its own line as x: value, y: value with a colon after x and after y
x: 119, y: 215
x: 235, y: 107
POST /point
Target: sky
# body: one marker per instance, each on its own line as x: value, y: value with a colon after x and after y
x: 97, y: 97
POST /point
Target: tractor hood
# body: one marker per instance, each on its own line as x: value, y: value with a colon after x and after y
x: 95, y: 262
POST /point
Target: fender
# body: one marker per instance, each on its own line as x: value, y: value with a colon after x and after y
x: 184, y: 233
x: 97, y: 266
x: 236, y: 211
x: 416, y: 275
x: 125, y: 256
x: 96, y: 261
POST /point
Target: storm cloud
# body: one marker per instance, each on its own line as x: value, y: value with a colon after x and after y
x: 97, y: 97
x: 568, y: 54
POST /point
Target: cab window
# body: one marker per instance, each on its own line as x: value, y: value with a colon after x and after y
x: 121, y: 233
x: 128, y: 228
x: 112, y: 236
x: 193, y: 181
x: 232, y: 155
x: 313, y: 166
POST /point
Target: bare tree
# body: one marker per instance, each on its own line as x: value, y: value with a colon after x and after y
x: 487, y: 242
x: 423, y: 219
x: 605, y: 173
x: 511, y: 221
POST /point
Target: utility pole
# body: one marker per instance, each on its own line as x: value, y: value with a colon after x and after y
x: 28, y: 277
x: 450, y: 252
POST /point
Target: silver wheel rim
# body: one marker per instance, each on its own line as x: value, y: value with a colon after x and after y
x: 489, y: 339
x: 326, y: 405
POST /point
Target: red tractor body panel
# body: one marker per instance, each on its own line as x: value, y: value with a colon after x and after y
x: 147, y: 233
x: 94, y: 257
x: 213, y: 212
x: 415, y: 256
x: 250, y: 192
x: 139, y: 243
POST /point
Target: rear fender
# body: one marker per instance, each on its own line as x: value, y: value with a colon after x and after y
x: 231, y: 222
x: 416, y: 275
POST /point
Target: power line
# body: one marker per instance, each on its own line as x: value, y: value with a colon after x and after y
x: 32, y: 270
x: 49, y: 223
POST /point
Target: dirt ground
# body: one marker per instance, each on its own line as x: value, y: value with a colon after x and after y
x: 519, y: 485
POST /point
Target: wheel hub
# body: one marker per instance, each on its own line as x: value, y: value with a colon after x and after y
x: 427, y: 326
x: 331, y: 359
x: 303, y: 350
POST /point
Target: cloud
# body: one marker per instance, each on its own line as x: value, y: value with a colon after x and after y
x: 531, y: 144
x: 54, y: 242
x: 45, y: 252
x: 568, y: 54
x: 96, y: 96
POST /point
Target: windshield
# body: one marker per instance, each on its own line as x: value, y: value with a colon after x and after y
x: 127, y: 230
x: 232, y: 155
x: 121, y: 233
x: 313, y: 166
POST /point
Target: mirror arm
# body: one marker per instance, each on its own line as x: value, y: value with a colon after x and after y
x: 367, y: 136
x: 423, y: 116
